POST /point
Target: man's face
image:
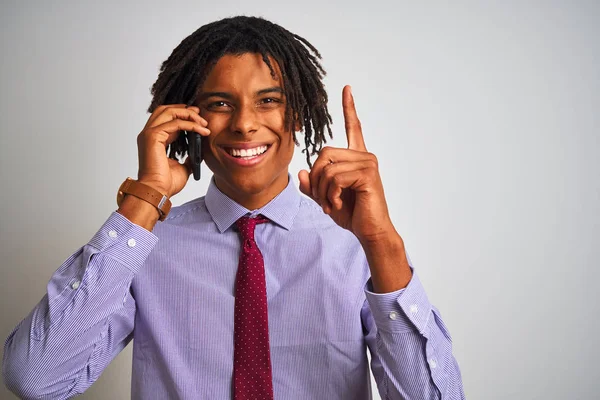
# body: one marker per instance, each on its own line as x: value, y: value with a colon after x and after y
x: 249, y: 148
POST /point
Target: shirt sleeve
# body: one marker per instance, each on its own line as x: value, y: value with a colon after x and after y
x: 85, y: 319
x: 411, y: 349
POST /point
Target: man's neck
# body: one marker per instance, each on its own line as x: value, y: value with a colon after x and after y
x: 252, y: 201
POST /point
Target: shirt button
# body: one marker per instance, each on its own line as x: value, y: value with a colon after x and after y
x: 414, y: 309
x: 432, y: 363
x: 393, y: 315
x: 112, y: 234
x: 131, y: 242
x: 75, y: 285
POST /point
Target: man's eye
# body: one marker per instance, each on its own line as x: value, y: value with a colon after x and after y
x: 270, y: 100
x: 217, y: 104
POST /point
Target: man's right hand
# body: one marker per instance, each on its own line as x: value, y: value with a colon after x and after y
x: 166, y: 175
x: 157, y: 170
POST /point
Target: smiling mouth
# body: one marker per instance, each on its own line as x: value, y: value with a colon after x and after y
x: 247, y: 154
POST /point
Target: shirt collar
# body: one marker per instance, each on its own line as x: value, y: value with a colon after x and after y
x: 224, y: 211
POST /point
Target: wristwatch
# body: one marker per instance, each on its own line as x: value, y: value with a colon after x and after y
x: 146, y: 193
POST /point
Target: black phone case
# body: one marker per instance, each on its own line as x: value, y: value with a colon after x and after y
x: 195, y: 152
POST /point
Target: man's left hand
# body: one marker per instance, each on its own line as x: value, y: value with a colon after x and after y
x: 346, y: 182
x: 347, y: 185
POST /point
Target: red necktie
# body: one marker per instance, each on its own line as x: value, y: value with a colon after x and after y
x: 252, y: 377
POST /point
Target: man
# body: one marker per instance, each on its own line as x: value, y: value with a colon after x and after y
x: 252, y: 291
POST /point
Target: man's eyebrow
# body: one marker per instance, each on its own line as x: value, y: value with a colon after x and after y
x: 206, y: 95
x: 229, y: 96
x: 274, y: 89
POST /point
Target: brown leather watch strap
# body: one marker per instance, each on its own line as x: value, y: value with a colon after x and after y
x: 146, y: 193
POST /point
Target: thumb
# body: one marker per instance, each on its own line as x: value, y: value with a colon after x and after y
x: 304, y: 179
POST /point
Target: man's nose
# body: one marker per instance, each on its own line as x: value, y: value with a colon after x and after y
x: 245, y: 120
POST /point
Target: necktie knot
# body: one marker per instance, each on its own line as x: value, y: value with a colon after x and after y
x: 246, y: 226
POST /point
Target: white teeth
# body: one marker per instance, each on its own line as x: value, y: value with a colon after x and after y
x: 248, y: 152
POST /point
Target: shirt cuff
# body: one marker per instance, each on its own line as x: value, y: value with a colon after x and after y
x: 404, y: 310
x: 124, y: 241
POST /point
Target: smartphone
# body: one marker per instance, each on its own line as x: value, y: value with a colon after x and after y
x: 194, y: 141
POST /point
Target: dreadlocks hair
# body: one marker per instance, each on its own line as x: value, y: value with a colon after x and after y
x: 182, y: 75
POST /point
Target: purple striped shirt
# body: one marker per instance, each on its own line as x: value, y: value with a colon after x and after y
x: 172, y: 292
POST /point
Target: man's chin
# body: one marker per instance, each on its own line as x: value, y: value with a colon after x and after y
x: 250, y: 185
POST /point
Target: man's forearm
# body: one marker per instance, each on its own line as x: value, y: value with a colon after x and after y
x: 387, y: 261
x: 63, y: 345
x: 139, y: 212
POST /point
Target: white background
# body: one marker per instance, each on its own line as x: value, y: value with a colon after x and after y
x: 484, y: 116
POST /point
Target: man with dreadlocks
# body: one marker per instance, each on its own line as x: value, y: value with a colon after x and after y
x: 252, y: 291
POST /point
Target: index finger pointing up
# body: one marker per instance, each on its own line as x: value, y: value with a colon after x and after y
x: 352, y: 123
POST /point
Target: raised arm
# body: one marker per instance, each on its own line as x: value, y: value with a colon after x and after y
x: 410, y: 346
